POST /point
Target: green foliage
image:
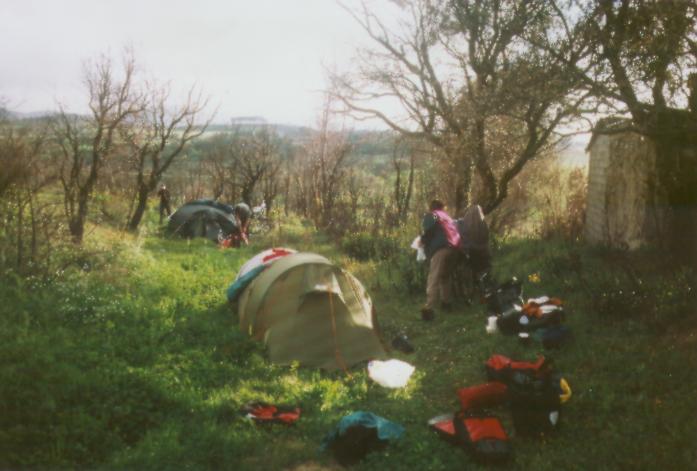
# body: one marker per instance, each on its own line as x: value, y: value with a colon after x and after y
x: 364, y: 246
x: 131, y: 359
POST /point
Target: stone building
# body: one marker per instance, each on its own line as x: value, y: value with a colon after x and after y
x: 623, y: 205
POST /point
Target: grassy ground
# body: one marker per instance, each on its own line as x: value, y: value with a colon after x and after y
x: 131, y: 359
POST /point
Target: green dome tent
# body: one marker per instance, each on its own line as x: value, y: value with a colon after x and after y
x: 202, y: 218
x: 306, y: 309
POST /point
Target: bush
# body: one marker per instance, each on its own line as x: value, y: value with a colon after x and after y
x: 364, y: 246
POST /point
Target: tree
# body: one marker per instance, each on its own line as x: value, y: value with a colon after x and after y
x: 158, y: 135
x: 86, y: 142
x: 253, y: 155
x: 326, y: 156
x: 402, y: 190
x: 463, y: 72
x: 639, y: 58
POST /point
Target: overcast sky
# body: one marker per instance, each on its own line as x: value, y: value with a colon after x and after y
x: 252, y: 57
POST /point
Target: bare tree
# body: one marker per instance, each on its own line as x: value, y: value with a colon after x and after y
x: 402, y: 190
x: 27, y: 221
x: 327, y: 153
x: 254, y: 155
x: 456, y: 68
x: 157, y: 137
x: 85, y: 143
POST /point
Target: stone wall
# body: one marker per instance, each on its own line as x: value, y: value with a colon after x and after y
x: 621, y: 193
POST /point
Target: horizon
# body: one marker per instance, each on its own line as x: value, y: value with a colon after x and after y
x: 266, y: 59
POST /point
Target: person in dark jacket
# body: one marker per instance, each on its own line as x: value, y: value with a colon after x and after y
x: 440, y: 239
x: 163, y: 193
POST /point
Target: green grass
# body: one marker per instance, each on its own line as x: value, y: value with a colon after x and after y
x: 133, y: 360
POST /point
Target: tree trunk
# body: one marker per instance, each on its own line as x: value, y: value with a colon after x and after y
x: 141, y: 206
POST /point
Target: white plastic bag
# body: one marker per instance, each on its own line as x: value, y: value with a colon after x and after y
x: 390, y: 373
x: 419, y: 247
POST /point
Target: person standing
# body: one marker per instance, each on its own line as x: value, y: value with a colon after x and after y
x: 440, y: 239
x: 242, y: 214
x: 163, y: 193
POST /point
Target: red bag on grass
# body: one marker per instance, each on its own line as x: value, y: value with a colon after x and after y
x: 500, y: 368
x: 483, y: 395
x: 483, y: 436
x: 262, y: 412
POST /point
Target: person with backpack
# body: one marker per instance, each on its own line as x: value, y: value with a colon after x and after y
x: 440, y: 239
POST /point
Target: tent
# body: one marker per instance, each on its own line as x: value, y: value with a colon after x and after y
x: 202, y: 218
x: 308, y: 310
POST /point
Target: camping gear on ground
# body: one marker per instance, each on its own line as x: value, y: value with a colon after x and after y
x: 535, y: 392
x: 535, y: 402
x: 401, y: 343
x: 265, y: 413
x: 482, y: 395
x: 310, y: 311
x: 358, y: 434
x: 536, y: 313
x: 483, y: 436
x: 503, y: 297
x: 501, y: 368
x: 524, y: 338
x: 444, y: 426
x: 491, y: 325
x: 512, y: 320
x: 390, y: 373
x: 203, y: 218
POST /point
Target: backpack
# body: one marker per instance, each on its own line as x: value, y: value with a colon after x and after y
x: 483, y: 436
x: 501, y: 368
x: 482, y: 395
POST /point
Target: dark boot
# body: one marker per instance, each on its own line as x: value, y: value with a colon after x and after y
x: 427, y: 314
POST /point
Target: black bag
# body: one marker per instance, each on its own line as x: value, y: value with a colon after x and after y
x: 355, y: 443
x: 503, y: 297
x: 535, y: 402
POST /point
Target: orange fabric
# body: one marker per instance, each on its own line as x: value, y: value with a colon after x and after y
x: 482, y: 395
x: 532, y: 309
x: 447, y: 426
x: 486, y: 428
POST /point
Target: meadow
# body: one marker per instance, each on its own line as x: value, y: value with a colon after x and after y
x: 129, y: 357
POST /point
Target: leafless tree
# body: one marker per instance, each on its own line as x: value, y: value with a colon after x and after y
x: 86, y: 142
x: 158, y: 136
x: 326, y: 155
x: 28, y: 222
x: 455, y: 68
x: 402, y: 189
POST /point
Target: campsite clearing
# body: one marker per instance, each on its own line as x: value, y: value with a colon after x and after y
x: 133, y: 360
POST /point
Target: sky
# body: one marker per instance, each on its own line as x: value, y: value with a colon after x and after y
x: 251, y: 57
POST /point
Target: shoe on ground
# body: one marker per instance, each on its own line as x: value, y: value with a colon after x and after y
x: 427, y: 314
